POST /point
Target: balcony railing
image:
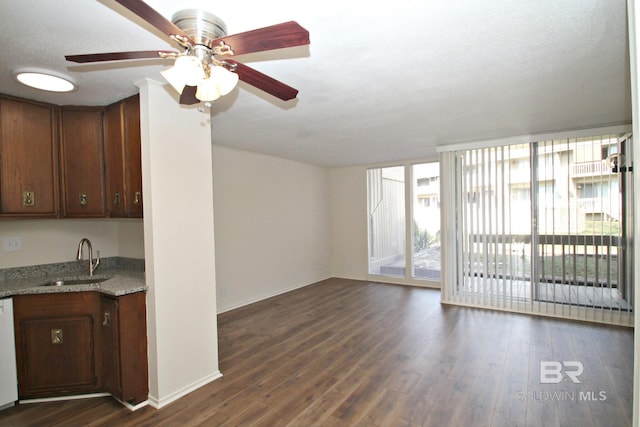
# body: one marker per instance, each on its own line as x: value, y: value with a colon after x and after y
x: 584, y: 260
x: 596, y: 168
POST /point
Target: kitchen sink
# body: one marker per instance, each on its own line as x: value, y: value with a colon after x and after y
x: 75, y: 281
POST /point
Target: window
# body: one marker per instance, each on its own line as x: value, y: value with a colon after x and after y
x: 391, y: 228
x: 385, y: 200
x: 426, y: 221
x: 589, y: 190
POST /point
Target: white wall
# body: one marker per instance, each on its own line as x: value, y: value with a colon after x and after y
x: 130, y: 238
x: 179, y: 245
x: 349, y: 222
x: 272, y: 225
x: 46, y: 241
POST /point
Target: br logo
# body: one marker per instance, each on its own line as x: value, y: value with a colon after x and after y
x: 552, y: 371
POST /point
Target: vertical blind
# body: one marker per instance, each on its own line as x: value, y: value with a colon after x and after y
x: 539, y: 228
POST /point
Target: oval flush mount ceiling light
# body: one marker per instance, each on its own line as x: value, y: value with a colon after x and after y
x: 45, y: 80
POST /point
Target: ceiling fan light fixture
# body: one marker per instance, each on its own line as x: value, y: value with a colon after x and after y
x: 219, y: 83
x: 45, y: 80
x: 186, y: 71
x: 175, y: 79
x: 191, y: 68
x: 226, y: 80
x: 208, y: 90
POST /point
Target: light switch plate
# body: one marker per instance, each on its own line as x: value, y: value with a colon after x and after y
x: 12, y: 244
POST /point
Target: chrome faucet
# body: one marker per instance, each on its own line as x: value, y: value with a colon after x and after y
x: 92, y: 266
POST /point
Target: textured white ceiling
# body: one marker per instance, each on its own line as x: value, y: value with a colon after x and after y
x: 380, y: 82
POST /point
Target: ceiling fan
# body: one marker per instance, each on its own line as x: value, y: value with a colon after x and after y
x: 203, y: 70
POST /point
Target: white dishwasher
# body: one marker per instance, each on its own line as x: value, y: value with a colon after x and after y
x: 8, y: 371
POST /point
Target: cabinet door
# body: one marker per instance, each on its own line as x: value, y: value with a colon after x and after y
x: 56, y: 350
x: 28, y: 159
x: 124, y: 347
x: 110, y: 345
x: 134, y: 367
x: 82, y: 163
x: 114, y: 160
x: 58, y: 356
x: 123, y: 160
x: 133, y: 162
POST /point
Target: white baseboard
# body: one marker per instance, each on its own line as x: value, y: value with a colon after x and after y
x: 85, y: 396
x: 131, y: 407
x: 269, y: 295
x: 7, y: 406
x: 58, y: 398
x: 161, y: 402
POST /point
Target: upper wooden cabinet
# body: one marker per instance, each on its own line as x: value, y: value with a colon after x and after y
x: 122, y: 155
x: 133, y: 158
x: 74, y: 162
x: 114, y: 160
x: 82, y: 162
x: 28, y: 159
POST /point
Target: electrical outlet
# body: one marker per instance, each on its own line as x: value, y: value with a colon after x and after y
x: 12, y: 244
x: 223, y: 292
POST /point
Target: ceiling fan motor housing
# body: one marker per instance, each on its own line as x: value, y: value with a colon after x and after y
x: 200, y: 25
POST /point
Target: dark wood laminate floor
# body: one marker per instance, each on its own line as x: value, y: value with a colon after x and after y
x: 347, y: 353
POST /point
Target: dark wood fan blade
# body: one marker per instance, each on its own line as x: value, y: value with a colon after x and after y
x: 287, y: 34
x: 263, y: 82
x: 145, y: 12
x: 117, y: 56
x: 188, y: 96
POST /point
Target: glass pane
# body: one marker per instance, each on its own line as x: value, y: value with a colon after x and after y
x: 385, y: 200
x: 426, y: 221
x: 579, y: 222
x: 493, y: 190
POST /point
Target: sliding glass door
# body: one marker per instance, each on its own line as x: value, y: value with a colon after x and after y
x: 542, y: 226
x: 579, y: 216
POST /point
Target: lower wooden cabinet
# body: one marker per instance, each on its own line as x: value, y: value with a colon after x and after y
x: 56, y: 349
x: 81, y: 342
x: 124, y: 347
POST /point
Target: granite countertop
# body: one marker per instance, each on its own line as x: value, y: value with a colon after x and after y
x: 115, y: 276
